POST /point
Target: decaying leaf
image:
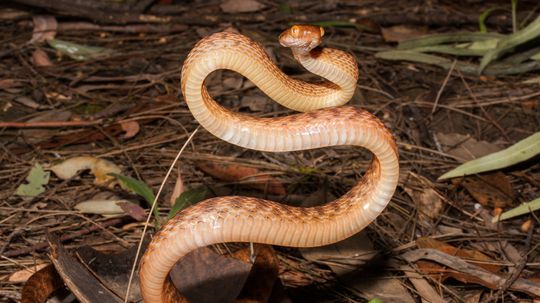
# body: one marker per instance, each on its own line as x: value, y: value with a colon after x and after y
x: 473, y: 256
x: 77, y: 51
x: 41, y: 285
x: 24, y: 274
x: 399, y: 33
x: 36, y: 179
x: 44, y: 28
x: 40, y: 58
x: 250, y: 176
x: 493, y: 190
x: 108, y: 208
x: 101, y: 169
x: 465, y: 147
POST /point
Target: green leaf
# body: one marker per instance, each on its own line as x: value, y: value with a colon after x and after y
x: 509, y: 42
x: 36, y: 179
x: 77, y: 51
x: 525, y: 208
x: 141, y: 189
x: 521, y: 151
x: 482, y: 19
x: 375, y: 301
x: 187, y: 198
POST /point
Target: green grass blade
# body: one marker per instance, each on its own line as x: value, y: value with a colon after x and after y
x: 525, y: 208
x: 521, y: 151
x: 187, y: 198
x: 141, y: 189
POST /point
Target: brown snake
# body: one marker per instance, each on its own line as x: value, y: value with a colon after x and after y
x: 244, y: 219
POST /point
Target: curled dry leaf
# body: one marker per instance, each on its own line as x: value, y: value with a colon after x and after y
x: 251, y: 176
x: 131, y: 128
x: 101, y: 169
x: 465, y: 147
x: 44, y: 29
x: 179, y: 187
x: 40, y: 58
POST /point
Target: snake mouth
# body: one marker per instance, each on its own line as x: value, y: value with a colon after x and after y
x: 302, y: 38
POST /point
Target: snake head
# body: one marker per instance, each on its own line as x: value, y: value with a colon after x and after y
x: 302, y: 38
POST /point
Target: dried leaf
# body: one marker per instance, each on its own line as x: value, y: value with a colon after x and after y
x: 250, y: 176
x: 429, y: 202
x: 40, y: 58
x: 131, y: 128
x: 464, y: 146
x: 263, y: 275
x: 466, y: 254
x: 493, y: 190
x: 101, y: 169
x: 107, y: 208
x: 36, y: 179
x: 178, y: 188
x: 24, y: 274
x: 241, y: 6
x: 44, y: 28
x: 524, y: 208
x: 41, y: 285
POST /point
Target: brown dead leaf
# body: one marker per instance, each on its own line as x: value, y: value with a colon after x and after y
x: 205, y: 276
x: 250, y: 176
x: 493, y: 189
x: 384, y: 287
x: 240, y: 6
x: 399, y: 33
x: 88, y: 136
x: 9, y: 83
x: 41, y: 285
x: 465, y: 147
x: 263, y: 275
x: 24, y: 274
x: 344, y: 256
x: 44, y: 28
x: 429, y: 202
x: 429, y: 267
x: 84, y: 285
x: 40, y: 58
x: 179, y: 187
x: 131, y: 128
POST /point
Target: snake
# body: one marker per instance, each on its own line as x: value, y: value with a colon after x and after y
x: 323, y: 121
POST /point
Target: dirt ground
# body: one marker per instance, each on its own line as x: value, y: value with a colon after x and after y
x: 435, y: 242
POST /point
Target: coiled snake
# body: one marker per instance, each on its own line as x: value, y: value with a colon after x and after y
x: 324, y: 123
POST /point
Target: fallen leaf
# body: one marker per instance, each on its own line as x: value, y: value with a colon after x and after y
x: 344, y: 256
x: 383, y: 286
x: 41, y: 59
x: 101, y: 169
x: 108, y: 208
x: 28, y: 102
x: 131, y: 128
x: 493, y: 190
x: 186, y: 199
x: 24, y: 274
x: 41, y: 285
x: 83, y: 284
x: 44, y: 28
x: 430, y: 204
x: 204, y: 276
x: 178, y: 188
x: 240, y: 6
x: 36, y: 179
x: 399, y: 33
x: 250, y: 176
x: 263, y: 275
x: 465, y: 147
x: 470, y: 256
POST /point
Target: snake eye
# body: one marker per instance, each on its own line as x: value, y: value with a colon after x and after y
x: 322, y: 31
x: 295, y: 30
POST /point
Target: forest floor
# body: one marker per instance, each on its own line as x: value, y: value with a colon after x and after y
x: 122, y: 102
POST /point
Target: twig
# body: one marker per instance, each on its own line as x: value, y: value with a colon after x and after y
x: 439, y: 93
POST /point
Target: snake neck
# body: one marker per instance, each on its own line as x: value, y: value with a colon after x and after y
x: 245, y: 56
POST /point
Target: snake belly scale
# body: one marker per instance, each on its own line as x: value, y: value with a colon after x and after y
x: 324, y: 123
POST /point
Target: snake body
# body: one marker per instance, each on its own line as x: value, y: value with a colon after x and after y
x: 245, y: 219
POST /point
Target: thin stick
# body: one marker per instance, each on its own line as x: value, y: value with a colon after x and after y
x: 139, y: 247
x: 439, y: 93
